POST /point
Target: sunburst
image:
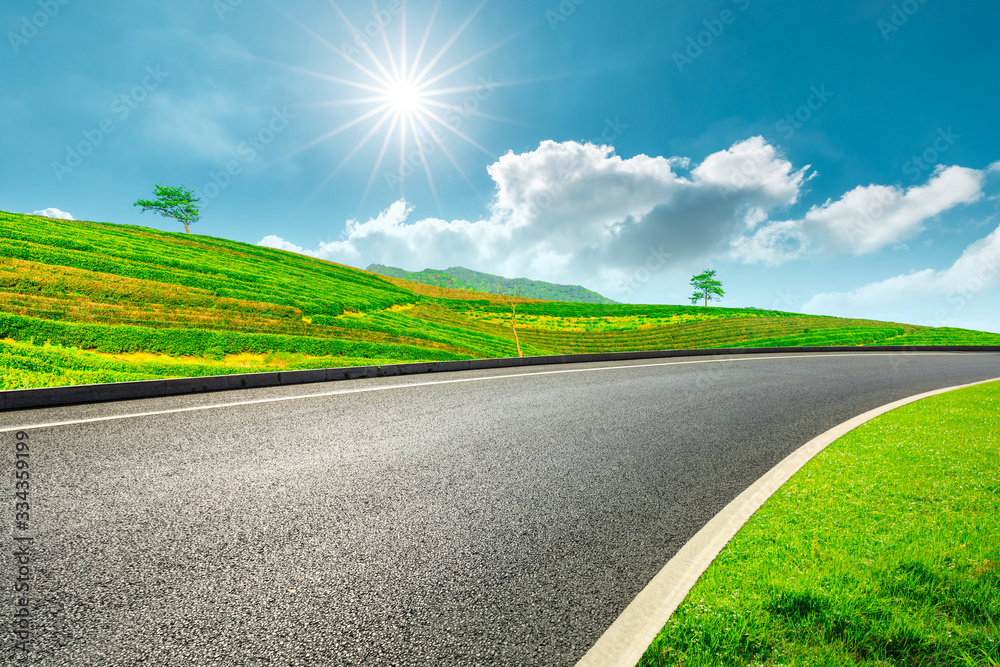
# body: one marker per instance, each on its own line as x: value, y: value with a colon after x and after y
x: 403, y: 99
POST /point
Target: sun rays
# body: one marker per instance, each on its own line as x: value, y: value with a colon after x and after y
x: 407, y: 100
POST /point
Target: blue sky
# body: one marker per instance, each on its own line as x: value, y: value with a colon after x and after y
x: 835, y: 158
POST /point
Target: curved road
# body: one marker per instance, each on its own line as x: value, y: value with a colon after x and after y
x: 489, y: 517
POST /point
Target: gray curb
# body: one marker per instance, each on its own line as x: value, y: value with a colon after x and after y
x: 18, y: 399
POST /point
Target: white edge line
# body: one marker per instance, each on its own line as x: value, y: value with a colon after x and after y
x: 624, y: 643
x: 219, y: 406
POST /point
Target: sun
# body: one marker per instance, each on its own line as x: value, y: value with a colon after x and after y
x: 406, y: 96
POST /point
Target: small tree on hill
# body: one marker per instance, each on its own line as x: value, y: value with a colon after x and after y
x: 706, y: 288
x: 512, y: 300
x: 177, y: 203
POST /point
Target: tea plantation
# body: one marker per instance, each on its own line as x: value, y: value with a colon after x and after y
x: 84, y: 302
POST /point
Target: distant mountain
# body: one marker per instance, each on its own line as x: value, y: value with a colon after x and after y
x: 458, y: 277
x: 426, y: 277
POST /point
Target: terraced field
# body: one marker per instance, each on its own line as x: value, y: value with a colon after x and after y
x: 84, y: 302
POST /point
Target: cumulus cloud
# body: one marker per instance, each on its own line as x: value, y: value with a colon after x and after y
x: 54, y: 213
x: 976, y: 270
x: 754, y: 169
x: 572, y: 212
x: 272, y: 241
x: 864, y: 220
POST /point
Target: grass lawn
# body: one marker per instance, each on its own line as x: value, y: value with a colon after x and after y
x: 883, y: 550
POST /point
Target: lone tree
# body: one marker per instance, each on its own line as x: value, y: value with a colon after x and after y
x: 512, y: 300
x: 177, y: 203
x: 706, y: 287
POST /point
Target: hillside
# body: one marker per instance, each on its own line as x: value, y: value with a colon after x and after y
x: 84, y: 302
x: 425, y: 277
x: 461, y: 278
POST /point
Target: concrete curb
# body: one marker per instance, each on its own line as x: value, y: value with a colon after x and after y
x: 625, y: 642
x: 19, y: 399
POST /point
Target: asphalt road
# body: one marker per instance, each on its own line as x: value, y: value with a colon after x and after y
x: 404, y: 521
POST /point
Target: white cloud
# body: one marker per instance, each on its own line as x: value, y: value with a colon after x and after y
x: 54, y: 213
x: 281, y: 244
x: 753, y: 168
x: 864, y: 220
x: 571, y: 211
x: 571, y: 184
x: 774, y: 243
x: 965, y: 281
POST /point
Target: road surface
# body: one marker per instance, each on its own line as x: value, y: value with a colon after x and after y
x: 499, y: 517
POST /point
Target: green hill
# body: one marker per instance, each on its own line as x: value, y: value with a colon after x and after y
x: 425, y: 277
x: 84, y: 302
x: 458, y: 277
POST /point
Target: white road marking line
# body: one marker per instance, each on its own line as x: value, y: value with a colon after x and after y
x: 624, y: 643
x: 219, y: 406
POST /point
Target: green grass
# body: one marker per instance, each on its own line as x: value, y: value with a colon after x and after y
x: 882, y: 550
x: 49, y: 365
x: 227, y: 269
x: 117, y: 289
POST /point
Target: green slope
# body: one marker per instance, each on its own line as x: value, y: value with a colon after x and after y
x: 425, y: 277
x: 88, y: 302
x: 458, y: 277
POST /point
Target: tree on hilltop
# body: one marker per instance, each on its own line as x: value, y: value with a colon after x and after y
x: 706, y: 287
x: 177, y: 203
